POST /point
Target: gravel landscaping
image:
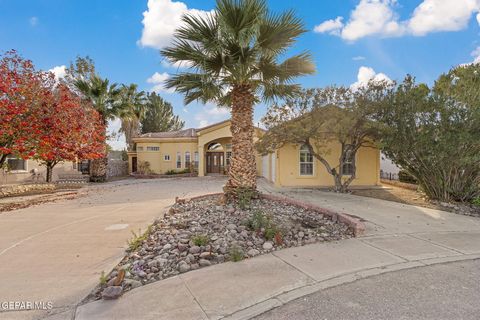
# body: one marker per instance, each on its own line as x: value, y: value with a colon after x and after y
x: 202, y: 232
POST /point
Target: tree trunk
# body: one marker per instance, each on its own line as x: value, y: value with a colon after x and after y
x: 98, y: 170
x: 3, y: 158
x: 50, y: 166
x: 243, y: 171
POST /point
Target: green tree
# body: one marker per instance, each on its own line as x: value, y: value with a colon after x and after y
x: 83, y: 68
x: 433, y: 134
x: 131, y: 113
x: 159, y: 116
x: 322, y: 120
x: 233, y: 58
x: 104, y: 97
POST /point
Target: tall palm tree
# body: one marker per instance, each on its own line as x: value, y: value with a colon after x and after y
x: 131, y: 113
x: 233, y: 59
x: 105, y: 99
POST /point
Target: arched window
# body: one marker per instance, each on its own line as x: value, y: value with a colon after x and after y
x: 215, y: 146
x: 306, y: 161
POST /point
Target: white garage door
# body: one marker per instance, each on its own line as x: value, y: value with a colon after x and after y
x: 265, y: 166
x: 274, y: 159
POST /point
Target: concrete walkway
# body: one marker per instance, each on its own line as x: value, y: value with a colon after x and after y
x: 398, y: 237
x: 55, y: 252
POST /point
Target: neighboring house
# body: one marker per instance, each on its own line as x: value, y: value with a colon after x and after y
x: 22, y: 171
x: 208, y: 150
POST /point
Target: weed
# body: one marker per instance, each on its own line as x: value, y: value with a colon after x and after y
x: 236, y: 253
x: 138, y: 238
x: 200, y: 240
x: 103, y: 278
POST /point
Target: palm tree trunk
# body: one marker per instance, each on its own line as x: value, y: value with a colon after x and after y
x: 242, y: 173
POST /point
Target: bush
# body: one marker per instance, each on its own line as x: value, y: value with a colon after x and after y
x: 476, y: 201
x: 144, y: 167
x: 406, y: 177
x: 200, y: 240
x: 236, y: 253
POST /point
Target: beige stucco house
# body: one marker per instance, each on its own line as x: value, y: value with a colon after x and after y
x: 208, y: 151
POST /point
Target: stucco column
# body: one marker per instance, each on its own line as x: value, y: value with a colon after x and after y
x: 201, y: 161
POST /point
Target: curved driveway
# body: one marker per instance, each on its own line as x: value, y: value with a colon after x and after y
x: 57, y: 251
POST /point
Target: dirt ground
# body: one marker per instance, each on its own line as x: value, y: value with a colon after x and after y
x: 397, y: 194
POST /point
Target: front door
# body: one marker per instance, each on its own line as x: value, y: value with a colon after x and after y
x: 214, y: 162
x: 134, y: 164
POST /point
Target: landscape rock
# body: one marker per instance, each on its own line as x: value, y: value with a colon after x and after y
x: 112, y: 292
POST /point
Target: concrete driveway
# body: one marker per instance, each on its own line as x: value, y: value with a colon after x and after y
x: 56, y: 252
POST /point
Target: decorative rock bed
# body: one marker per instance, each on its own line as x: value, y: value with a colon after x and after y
x: 202, y: 231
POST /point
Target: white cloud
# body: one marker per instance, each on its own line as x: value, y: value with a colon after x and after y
x: 211, y: 114
x: 160, y: 21
x: 372, y: 17
x: 33, y: 21
x: 59, y: 72
x: 476, y: 55
x: 330, y: 26
x: 158, y: 81
x: 366, y: 74
x: 378, y: 17
x: 442, y: 15
x: 358, y: 58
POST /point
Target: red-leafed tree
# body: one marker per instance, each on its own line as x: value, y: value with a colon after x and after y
x: 20, y: 87
x: 70, y: 130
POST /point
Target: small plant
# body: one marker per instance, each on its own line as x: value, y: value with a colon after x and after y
x: 270, y: 232
x: 244, y: 197
x: 138, y: 238
x: 200, y: 240
x: 278, y: 238
x: 257, y: 221
x: 236, y: 253
x: 144, y: 167
x: 103, y: 278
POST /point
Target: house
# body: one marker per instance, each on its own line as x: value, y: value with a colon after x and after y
x: 208, y: 151
x: 18, y: 170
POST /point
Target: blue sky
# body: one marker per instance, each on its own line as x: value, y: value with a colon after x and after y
x: 351, y: 40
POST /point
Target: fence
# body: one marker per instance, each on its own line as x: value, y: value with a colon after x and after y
x: 388, y: 176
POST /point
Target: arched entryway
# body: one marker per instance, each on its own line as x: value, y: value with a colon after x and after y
x: 217, y: 156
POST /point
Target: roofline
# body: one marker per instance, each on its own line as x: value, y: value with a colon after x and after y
x: 171, y: 139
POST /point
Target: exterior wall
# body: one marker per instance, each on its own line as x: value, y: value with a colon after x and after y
x: 288, y: 168
x: 26, y: 175
x: 158, y: 164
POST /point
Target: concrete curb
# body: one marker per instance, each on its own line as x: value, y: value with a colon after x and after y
x: 357, y: 226
x: 286, y: 297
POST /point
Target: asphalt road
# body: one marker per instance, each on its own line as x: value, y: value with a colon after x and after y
x: 446, y: 291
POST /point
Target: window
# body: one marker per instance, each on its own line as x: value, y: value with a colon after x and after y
x: 16, y: 164
x: 179, y: 160
x: 196, y: 159
x: 187, y: 159
x: 153, y: 148
x: 166, y: 157
x: 228, y: 155
x: 139, y: 148
x: 348, y: 161
x: 306, y: 162
x: 228, y: 146
x: 215, y: 146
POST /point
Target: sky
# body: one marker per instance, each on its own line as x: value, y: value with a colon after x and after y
x: 352, y: 41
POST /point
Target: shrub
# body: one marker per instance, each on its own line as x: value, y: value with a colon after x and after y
x: 200, y: 240
x: 476, y: 201
x: 236, y: 253
x: 144, y: 167
x: 244, y: 197
x: 257, y: 221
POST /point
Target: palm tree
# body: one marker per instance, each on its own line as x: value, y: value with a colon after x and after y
x: 232, y: 55
x: 131, y: 113
x: 104, y: 97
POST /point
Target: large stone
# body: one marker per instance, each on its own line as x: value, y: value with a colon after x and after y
x: 267, y: 245
x: 112, y: 292
x: 253, y: 252
x: 204, y: 263
x: 194, y: 250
